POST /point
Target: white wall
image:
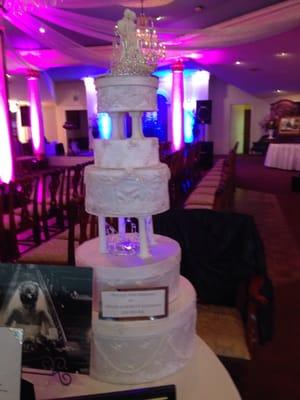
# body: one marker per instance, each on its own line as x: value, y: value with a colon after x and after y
x: 223, y: 97
x: 50, y: 123
x: 70, y: 95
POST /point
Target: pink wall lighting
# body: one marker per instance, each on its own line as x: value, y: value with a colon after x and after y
x: 36, y: 115
x: 177, y: 105
x: 6, y: 158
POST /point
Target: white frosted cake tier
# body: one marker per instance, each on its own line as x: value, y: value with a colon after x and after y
x: 126, y: 93
x: 142, y: 351
x: 126, y: 153
x: 127, y: 192
x: 131, y: 271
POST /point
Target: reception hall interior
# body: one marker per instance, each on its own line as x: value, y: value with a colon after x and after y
x: 226, y: 123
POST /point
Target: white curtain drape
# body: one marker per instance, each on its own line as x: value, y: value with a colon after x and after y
x: 254, y: 26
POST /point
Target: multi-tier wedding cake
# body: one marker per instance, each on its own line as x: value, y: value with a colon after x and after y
x: 128, y: 181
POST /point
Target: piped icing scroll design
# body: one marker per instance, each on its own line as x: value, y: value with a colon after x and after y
x: 131, y: 98
x: 129, y: 192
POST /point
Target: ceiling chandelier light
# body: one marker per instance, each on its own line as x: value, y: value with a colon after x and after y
x: 19, y: 7
x: 152, y: 49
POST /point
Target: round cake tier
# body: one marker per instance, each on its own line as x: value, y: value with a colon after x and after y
x: 142, y: 351
x: 129, y: 192
x: 126, y: 93
x: 126, y: 153
x: 131, y: 271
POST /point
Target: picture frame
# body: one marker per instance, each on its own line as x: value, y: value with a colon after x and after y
x: 289, y: 126
x: 41, y: 299
x: 166, y: 392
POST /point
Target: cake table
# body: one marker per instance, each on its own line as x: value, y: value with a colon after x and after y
x: 203, y: 377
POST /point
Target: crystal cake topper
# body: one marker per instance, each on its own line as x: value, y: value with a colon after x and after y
x: 130, y: 49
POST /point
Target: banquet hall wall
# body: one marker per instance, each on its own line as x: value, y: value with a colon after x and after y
x: 57, y: 97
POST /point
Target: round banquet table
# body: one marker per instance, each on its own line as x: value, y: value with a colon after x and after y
x: 203, y: 377
x: 283, y: 156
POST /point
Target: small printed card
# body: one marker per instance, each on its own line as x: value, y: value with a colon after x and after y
x: 146, y: 303
x: 10, y: 363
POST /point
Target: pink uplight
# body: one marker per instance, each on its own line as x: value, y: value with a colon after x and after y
x: 177, y: 105
x: 6, y: 160
x: 36, y: 117
x: 42, y: 30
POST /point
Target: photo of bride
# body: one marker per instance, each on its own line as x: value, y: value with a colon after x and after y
x: 42, y: 302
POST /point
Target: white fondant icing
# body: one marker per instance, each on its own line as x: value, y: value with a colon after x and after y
x: 131, y: 271
x: 126, y: 93
x: 126, y: 153
x: 127, y: 192
x: 142, y: 351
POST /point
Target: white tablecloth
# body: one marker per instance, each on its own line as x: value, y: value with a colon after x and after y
x: 283, y: 156
x: 204, y: 377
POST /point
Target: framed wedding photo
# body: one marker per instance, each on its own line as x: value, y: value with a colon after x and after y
x: 53, y: 307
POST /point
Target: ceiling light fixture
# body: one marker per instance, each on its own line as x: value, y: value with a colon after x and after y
x: 42, y: 30
x: 282, y: 54
x: 150, y: 46
x: 18, y: 7
x: 238, y: 63
x: 199, y: 8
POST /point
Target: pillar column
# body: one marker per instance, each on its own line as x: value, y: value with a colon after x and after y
x: 177, y: 105
x: 36, y: 114
x: 6, y: 148
x: 91, y: 106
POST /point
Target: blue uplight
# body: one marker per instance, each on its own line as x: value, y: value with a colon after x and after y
x: 188, y: 126
x: 104, y: 125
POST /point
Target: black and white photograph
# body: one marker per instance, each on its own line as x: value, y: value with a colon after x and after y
x: 53, y: 306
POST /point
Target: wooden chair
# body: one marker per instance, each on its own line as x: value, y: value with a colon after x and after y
x: 56, y: 251
x: 52, y: 202
x: 232, y: 332
x: 9, y: 250
x: 26, y: 208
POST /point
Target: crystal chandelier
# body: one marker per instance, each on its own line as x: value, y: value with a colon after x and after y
x: 19, y: 7
x: 149, y: 44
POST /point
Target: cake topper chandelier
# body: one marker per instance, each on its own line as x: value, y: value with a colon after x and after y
x: 151, y: 48
x: 136, y: 48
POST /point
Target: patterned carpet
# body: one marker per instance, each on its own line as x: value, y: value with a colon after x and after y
x: 281, y: 247
x: 266, y: 194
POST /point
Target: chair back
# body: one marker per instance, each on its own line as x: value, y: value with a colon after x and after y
x: 52, y: 191
x: 25, y: 197
x: 8, y: 236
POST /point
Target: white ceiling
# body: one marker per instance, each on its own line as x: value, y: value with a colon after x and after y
x: 261, y: 70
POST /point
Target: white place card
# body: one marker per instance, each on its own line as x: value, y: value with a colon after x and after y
x: 10, y: 363
x: 143, y: 303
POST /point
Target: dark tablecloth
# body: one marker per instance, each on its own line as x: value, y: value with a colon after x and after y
x: 219, y: 252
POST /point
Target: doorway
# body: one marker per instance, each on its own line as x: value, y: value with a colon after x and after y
x: 76, y: 126
x: 240, y: 127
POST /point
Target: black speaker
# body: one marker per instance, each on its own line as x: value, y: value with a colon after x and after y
x: 25, y: 115
x: 203, y: 111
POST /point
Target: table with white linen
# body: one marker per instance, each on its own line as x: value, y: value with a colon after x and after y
x: 203, y: 377
x: 283, y: 156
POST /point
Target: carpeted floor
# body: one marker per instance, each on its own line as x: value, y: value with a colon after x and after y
x: 266, y: 194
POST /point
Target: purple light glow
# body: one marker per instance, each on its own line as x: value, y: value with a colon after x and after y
x: 6, y: 161
x: 36, y: 117
x: 177, y: 106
